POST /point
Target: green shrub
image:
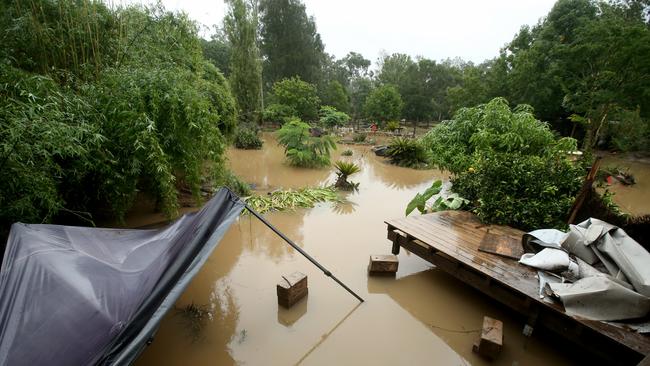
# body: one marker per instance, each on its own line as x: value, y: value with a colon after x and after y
x: 359, y: 137
x: 630, y: 132
x: 392, y: 126
x: 347, y: 153
x: 230, y: 180
x: 299, y: 95
x: 99, y: 104
x: 508, y: 164
x: 408, y: 153
x: 330, y: 117
x: 247, y: 138
x: 301, y: 148
x: 344, y: 169
x: 279, y: 113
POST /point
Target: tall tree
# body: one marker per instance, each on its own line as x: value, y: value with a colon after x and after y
x: 217, y: 50
x: 289, y: 42
x: 300, y: 96
x: 335, y: 95
x: 384, y: 103
x: 240, y: 25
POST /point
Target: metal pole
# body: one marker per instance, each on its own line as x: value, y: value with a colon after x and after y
x: 301, y: 251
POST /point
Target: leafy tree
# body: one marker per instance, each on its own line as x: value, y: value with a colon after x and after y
x: 384, y: 103
x: 508, y: 164
x: 240, y: 24
x: 301, y: 148
x: 336, y: 96
x: 330, y: 117
x: 356, y: 65
x: 217, y: 50
x: 289, y: 42
x: 279, y: 113
x: 300, y: 96
x: 360, y: 88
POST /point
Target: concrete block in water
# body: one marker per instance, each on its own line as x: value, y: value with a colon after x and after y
x: 291, y: 289
x: 383, y: 264
x: 491, y: 341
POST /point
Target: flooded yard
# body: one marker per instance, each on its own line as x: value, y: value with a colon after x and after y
x: 422, y: 316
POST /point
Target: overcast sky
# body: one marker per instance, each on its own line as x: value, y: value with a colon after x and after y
x: 471, y: 29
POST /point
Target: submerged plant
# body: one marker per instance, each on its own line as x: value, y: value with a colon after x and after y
x: 291, y: 200
x: 302, y: 149
x: 408, y: 153
x: 247, y: 139
x: 344, y: 169
x: 195, y: 318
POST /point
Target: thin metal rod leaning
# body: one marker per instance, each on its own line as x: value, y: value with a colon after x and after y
x: 301, y: 251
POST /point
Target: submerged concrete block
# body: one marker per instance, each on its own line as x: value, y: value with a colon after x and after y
x: 491, y: 341
x: 383, y: 264
x: 291, y: 289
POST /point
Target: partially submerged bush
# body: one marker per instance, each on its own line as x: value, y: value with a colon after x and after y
x: 392, y: 126
x: 347, y: 153
x: 408, y: 153
x: 330, y: 117
x: 247, y: 138
x: 508, y: 164
x: 359, y: 137
x: 301, y: 148
x: 278, y: 113
x: 344, y: 169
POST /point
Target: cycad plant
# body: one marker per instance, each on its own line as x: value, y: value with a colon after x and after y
x: 344, y: 169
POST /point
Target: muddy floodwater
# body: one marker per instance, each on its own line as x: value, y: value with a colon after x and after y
x: 421, y: 317
x: 633, y: 199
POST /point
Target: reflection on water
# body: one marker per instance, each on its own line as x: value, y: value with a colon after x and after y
x: 634, y: 199
x: 420, y: 317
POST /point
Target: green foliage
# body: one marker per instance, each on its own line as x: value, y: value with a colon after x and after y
x: 99, y: 104
x: 344, y: 169
x: 384, y: 103
x: 225, y: 178
x: 247, y: 138
x: 508, y: 164
x: 335, y: 95
x: 217, y: 50
x: 330, y: 117
x: 240, y: 26
x: 301, y: 148
x: 299, y: 95
x: 392, y: 126
x: 408, y: 153
x: 291, y: 200
x: 420, y: 199
x: 629, y: 132
x: 289, y: 42
x: 48, y: 138
x: 359, y: 137
x: 347, y: 153
x: 450, y: 202
x: 279, y: 113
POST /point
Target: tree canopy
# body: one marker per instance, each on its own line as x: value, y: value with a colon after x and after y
x: 289, y: 42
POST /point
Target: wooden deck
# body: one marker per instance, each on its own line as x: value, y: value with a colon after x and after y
x: 450, y: 240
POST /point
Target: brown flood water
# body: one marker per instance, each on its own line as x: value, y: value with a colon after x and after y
x: 420, y: 317
x: 633, y: 199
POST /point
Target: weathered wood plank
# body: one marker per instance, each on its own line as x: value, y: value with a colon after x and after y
x: 450, y: 240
